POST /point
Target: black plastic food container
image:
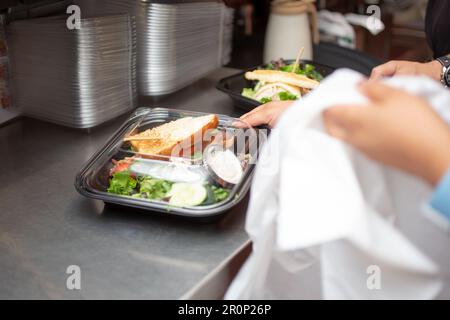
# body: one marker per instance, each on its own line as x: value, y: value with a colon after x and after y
x: 93, y: 179
x: 233, y: 85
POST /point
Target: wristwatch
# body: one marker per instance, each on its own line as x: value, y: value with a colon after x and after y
x: 445, y: 75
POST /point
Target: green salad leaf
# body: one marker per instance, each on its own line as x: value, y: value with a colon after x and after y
x: 155, y: 189
x: 248, y: 92
x: 122, y: 183
x: 310, y: 71
x: 307, y: 70
x: 147, y: 187
x: 220, y: 194
x: 265, y: 100
x: 287, y: 96
x: 287, y: 68
x: 284, y: 96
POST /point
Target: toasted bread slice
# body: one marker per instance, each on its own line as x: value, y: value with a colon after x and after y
x: 282, y: 76
x: 175, y: 138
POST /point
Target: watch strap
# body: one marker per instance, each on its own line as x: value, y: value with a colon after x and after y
x: 445, y: 61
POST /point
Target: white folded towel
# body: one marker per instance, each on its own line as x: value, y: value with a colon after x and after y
x: 315, y: 199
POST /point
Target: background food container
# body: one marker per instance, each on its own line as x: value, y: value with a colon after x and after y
x: 234, y: 84
x: 93, y: 179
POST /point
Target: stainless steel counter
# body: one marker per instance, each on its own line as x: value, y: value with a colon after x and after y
x: 46, y: 226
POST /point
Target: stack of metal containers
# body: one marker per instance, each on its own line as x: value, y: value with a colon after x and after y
x: 78, y: 78
x: 179, y: 41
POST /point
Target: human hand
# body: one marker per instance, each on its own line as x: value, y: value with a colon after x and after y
x: 395, y: 128
x: 266, y: 114
x: 394, y: 68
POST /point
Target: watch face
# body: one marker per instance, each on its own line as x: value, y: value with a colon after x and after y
x: 447, y: 77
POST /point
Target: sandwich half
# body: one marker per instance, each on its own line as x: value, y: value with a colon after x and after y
x: 289, y: 78
x: 175, y: 138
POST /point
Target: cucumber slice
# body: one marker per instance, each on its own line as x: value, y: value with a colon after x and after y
x: 187, y: 194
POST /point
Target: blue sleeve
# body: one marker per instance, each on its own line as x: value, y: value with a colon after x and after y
x: 440, y: 200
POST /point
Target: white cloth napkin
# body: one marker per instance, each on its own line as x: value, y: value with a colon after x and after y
x: 315, y: 199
